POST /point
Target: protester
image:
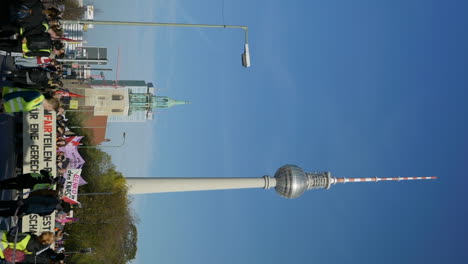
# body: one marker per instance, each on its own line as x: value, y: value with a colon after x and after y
x: 37, y: 77
x: 46, y: 257
x: 22, y: 63
x: 40, y: 45
x: 41, y: 202
x: 34, y: 181
x: 24, y: 244
x: 25, y: 100
x: 61, y: 142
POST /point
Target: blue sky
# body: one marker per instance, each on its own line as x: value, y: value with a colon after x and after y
x: 359, y: 88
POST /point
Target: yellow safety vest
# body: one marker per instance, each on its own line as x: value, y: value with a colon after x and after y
x: 42, y: 186
x: 18, y: 104
x: 46, y: 25
x: 3, y: 244
x: 25, y: 49
x: 20, y: 245
x: 24, y: 46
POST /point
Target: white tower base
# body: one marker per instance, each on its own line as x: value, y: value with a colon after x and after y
x: 143, y: 185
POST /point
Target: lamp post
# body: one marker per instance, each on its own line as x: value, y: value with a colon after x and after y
x: 116, y: 146
x: 87, y: 127
x: 87, y: 251
x: 245, y: 56
x: 80, y: 110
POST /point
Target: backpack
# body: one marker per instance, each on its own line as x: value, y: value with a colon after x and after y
x: 20, y: 12
x: 39, y: 42
x: 12, y: 255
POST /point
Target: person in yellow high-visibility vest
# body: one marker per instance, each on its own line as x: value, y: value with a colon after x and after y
x: 39, y: 45
x: 3, y: 243
x: 24, y: 100
x: 27, y: 243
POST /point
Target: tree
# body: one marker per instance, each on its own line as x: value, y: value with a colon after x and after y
x: 73, y: 10
x: 106, y: 221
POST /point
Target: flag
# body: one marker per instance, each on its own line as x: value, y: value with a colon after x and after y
x: 66, y: 220
x: 68, y: 94
x: 82, y: 181
x: 70, y: 40
x: 70, y: 201
x: 73, y: 140
x: 71, y: 152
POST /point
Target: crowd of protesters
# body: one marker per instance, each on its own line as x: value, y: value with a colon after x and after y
x: 30, y: 34
x: 44, y: 197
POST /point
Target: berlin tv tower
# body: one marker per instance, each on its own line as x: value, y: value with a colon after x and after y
x: 290, y: 181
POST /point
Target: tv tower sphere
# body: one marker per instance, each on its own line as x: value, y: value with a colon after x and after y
x: 291, y: 181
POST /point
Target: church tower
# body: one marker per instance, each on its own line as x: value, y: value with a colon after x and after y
x: 148, y: 102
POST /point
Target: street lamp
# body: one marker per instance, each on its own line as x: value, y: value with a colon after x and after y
x: 87, y: 127
x: 245, y: 55
x: 116, y: 146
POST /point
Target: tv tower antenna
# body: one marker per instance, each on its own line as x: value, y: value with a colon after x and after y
x: 290, y: 181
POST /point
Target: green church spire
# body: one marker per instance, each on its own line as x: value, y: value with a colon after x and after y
x: 166, y: 102
x: 148, y: 101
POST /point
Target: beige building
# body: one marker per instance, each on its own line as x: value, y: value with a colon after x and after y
x: 108, y: 102
x: 121, y: 101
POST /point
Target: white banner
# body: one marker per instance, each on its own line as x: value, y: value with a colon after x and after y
x: 72, y: 181
x: 39, y: 141
x: 39, y: 152
x: 37, y: 224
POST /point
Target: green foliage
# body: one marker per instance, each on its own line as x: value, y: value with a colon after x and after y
x: 73, y: 10
x: 106, y: 221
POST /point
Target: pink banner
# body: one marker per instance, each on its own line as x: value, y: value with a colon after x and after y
x: 71, y: 152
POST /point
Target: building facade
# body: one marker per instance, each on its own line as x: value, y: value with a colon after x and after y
x: 126, y: 100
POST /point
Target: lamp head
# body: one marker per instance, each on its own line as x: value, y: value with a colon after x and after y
x: 246, y: 56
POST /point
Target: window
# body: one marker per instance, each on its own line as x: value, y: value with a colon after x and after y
x: 101, y: 97
x: 117, y: 110
x: 117, y: 97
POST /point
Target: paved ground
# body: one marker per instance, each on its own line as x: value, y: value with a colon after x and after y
x: 8, y: 136
x: 8, y: 144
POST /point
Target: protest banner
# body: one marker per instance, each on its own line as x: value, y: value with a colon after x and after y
x: 37, y: 224
x: 39, y: 152
x: 39, y: 137
x: 71, y: 153
x: 72, y: 182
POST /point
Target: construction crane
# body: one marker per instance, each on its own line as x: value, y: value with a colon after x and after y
x: 115, y: 84
x: 117, y: 70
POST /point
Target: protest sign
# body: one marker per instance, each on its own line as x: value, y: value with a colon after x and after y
x: 72, y: 182
x: 39, y: 152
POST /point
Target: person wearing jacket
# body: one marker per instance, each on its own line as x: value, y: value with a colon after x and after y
x: 46, y: 257
x: 38, y: 45
x: 26, y: 14
x: 33, y: 181
x: 41, y: 202
x: 37, y: 77
x: 29, y: 244
x: 24, y: 100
